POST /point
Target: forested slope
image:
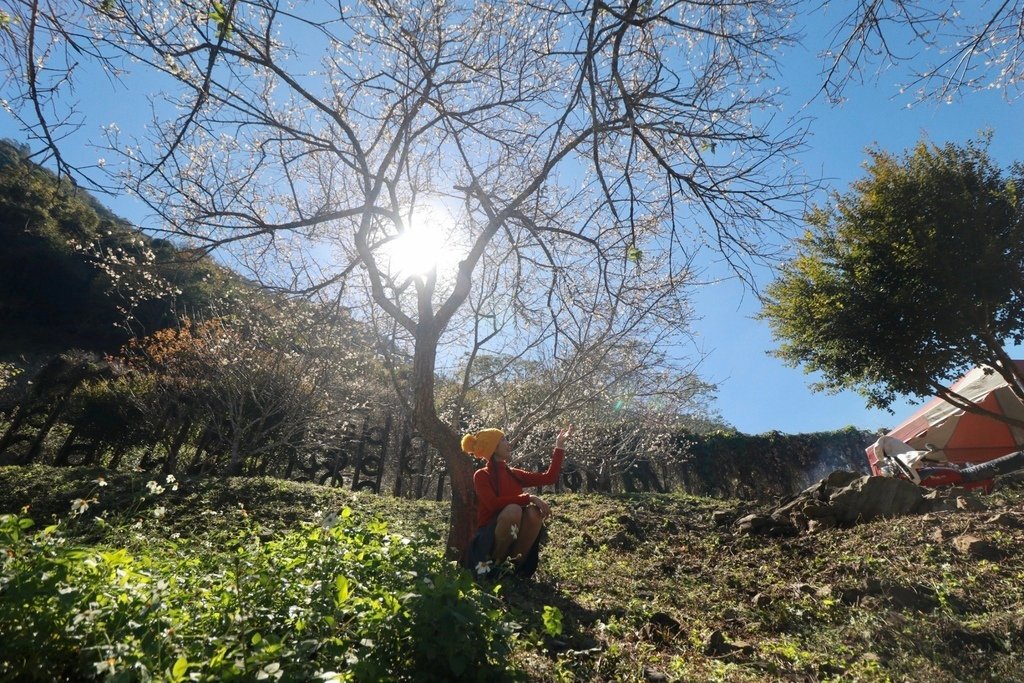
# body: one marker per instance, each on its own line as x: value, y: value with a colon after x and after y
x: 75, y: 275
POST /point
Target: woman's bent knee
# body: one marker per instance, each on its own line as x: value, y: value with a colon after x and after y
x: 532, y: 515
x: 511, y: 513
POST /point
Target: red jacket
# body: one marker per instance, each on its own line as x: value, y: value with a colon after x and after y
x: 510, y: 492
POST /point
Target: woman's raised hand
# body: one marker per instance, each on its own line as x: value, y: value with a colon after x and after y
x: 562, y: 436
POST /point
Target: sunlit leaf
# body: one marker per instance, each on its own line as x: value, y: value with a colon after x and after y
x: 341, y: 586
x: 180, y: 669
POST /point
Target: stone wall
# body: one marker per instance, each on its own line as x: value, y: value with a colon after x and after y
x: 769, y: 465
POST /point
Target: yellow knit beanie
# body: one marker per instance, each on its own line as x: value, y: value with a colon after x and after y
x: 483, y: 443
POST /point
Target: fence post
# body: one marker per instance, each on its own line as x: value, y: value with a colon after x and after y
x: 371, y: 465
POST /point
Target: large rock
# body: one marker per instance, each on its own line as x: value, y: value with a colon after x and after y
x: 868, y: 498
x: 717, y: 645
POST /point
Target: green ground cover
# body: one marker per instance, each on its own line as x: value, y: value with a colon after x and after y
x: 260, y: 579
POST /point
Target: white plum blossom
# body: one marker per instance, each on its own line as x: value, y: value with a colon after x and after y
x: 105, y: 666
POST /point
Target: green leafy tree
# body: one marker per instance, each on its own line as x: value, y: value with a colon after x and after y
x: 913, y: 277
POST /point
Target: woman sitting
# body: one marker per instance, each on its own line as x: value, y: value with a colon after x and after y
x: 508, y: 520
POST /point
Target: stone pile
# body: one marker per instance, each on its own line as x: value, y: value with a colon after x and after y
x: 846, y: 498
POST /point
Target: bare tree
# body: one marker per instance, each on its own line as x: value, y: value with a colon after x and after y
x: 579, y: 153
x: 626, y: 361
x: 260, y: 384
x: 629, y: 407
x: 949, y: 46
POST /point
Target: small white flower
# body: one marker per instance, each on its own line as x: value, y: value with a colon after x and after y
x: 105, y: 666
x: 154, y: 487
x: 79, y: 505
x: 514, y: 531
x: 159, y: 512
x: 272, y: 670
x: 483, y: 567
x: 171, y: 479
x: 100, y: 481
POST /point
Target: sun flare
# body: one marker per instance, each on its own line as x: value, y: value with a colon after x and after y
x: 430, y: 241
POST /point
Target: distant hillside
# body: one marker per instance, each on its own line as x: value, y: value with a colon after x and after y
x: 56, y: 294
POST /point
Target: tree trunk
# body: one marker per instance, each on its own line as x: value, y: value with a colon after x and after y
x: 202, y: 446
x: 171, y: 463
x: 115, y: 459
x: 463, y: 504
x: 446, y: 441
x: 8, y: 437
x: 65, y: 451
x: 51, y: 419
x: 234, y: 468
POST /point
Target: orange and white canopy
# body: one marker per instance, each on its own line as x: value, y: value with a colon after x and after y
x: 967, y: 437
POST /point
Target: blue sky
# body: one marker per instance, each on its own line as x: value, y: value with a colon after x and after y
x: 757, y: 393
